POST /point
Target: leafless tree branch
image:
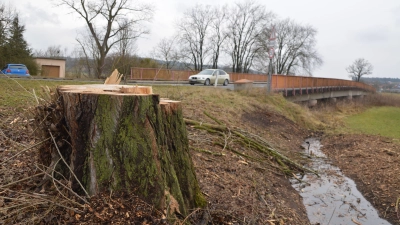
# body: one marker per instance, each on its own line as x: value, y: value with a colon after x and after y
x: 106, y: 19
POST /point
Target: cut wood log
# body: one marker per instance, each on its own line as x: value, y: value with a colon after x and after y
x: 114, y: 78
x: 123, y: 137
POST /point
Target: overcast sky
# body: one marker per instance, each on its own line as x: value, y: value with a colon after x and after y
x: 347, y: 29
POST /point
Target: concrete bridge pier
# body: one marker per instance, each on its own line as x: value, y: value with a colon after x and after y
x: 312, y: 102
x: 359, y: 96
x: 332, y: 100
x: 311, y: 98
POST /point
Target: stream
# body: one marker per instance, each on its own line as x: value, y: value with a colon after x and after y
x: 332, y: 198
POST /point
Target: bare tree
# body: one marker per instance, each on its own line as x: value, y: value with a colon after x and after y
x: 219, y: 33
x: 122, y: 59
x: 165, y: 50
x: 90, y: 53
x: 295, y: 52
x: 194, y: 31
x: 359, y: 68
x: 105, y: 19
x: 53, y: 51
x: 246, y: 23
x: 77, y: 64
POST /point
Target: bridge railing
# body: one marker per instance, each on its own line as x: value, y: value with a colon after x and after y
x: 279, y: 82
x: 314, y: 84
x: 160, y: 74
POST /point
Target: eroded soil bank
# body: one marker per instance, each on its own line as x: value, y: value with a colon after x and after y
x: 373, y: 162
x: 243, y: 191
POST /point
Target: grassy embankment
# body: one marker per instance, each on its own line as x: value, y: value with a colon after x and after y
x: 376, y: 114
x: 19, y: 95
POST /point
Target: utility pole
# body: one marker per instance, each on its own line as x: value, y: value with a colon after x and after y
x: 271, y: 52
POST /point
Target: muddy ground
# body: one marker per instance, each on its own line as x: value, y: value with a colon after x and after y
x: 239, y: 190
x: 373, y: 162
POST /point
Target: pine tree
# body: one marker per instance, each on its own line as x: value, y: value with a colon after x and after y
x: 16, y: 49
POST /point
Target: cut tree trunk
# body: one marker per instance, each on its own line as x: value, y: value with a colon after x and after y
x: 125, y: 138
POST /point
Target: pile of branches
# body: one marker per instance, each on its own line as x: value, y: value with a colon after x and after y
x: 252, y: 142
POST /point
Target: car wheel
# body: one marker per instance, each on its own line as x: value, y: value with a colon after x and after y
x: 207, y: 82
x: 226, y: 82
x: 191, y: 84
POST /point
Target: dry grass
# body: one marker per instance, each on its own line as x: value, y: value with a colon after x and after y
x: 383, y: 99
x: 229, y: 105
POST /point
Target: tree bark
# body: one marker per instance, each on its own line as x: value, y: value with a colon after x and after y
x: 126, y: 138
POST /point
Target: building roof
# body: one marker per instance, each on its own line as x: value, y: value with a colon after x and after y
x: 53, y: 58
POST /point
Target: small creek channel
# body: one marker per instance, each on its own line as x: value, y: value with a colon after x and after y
x: 332, y: 198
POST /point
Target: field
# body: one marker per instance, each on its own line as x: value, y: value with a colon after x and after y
x: 241, y: 184
x: 383, y: 121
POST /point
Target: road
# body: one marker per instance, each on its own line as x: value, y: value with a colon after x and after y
x: 181, y: 83
x: 139, y: 82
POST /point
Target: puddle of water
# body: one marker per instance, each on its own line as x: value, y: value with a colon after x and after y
x: 332, y: 198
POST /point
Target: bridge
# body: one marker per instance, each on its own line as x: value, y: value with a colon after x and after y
x: 300, y: 88
x: 294, y: 88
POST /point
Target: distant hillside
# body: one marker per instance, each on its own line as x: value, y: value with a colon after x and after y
x: 379, y: 79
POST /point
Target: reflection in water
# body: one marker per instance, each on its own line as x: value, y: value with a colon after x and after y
x: 332, y: 198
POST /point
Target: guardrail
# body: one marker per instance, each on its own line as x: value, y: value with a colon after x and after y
x: 286, y: 83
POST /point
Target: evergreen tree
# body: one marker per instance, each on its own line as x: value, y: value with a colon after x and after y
x: 16, y: 49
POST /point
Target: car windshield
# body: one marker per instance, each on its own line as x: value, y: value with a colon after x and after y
x: 206, y: 72
x: 17, y: 67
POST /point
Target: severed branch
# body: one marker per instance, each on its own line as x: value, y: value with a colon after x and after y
x: 252, y: 141
x: 24, y: 150
x: 69, y: 189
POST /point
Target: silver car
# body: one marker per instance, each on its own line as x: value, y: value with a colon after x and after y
x: 209, y: 76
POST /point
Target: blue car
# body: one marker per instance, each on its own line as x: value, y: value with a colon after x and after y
x: 15, y: 69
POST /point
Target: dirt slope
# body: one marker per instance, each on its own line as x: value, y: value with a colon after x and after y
x: 242, y: 191
x: 373, y: 162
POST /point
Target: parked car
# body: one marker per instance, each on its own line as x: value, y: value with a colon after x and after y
x: 209, y: 76
x: 15, y: 69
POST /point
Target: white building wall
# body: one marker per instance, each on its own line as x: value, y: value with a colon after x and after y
x: 52, y: 62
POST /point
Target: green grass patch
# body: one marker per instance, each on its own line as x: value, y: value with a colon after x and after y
x: 384, y: 121
x: 21, y: 94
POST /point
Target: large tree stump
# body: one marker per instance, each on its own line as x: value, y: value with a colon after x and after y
x: 125, y: 138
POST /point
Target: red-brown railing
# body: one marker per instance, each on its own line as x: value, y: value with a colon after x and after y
x: 160, y: 74
x: 279, y: 82
x: 306, y: 84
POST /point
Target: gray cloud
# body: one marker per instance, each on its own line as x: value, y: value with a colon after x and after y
x: 396, y: 14
x: 38, y: 16
x: 375, y: 34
